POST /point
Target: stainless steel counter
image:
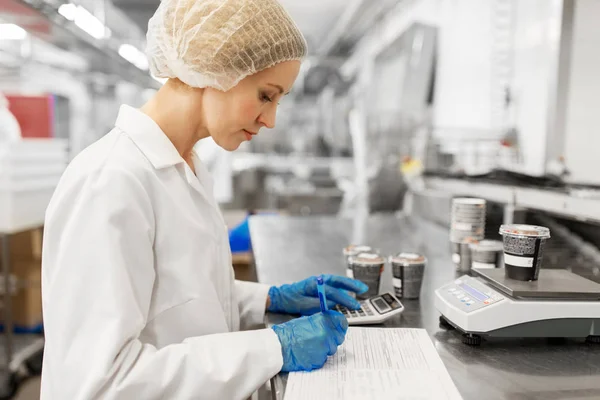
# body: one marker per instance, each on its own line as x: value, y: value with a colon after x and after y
x: 290, y: 249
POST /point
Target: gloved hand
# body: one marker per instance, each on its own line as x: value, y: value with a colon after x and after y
x: 302, y: 298
x: 307, y: 341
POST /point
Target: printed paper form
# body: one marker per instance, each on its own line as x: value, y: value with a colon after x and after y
x: 377, y: 363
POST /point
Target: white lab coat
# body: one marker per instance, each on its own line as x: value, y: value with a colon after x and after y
x: 219, y: 162
x: 139, y: 295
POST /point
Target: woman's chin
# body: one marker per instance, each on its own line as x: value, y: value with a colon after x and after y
x: 231, y: 145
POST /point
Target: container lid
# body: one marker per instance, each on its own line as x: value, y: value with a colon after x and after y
x: 487, y: 245
x: 408, y: 258
x: 355, y: 249
x: 367, y: 259
x: 526, y: 231
x: 468, y: 201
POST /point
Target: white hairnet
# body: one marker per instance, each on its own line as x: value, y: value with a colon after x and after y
x: 217, y: 43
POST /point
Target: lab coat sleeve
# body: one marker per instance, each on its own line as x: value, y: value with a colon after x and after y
x: 98, y: 277
x: 252, y: 299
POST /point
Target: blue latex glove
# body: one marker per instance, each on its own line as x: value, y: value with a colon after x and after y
x: 302, y: 297
x: 307, y: 341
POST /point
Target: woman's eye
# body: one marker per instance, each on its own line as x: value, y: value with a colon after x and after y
x: 265, y: 98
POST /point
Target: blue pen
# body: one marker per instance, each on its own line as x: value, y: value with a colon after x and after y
x: 322, y: 297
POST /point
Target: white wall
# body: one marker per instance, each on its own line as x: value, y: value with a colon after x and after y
x: 534, y: 85
x: 388, y: 79
x: 582, y: 136
x: 463, y: 80
x: 484, y: 48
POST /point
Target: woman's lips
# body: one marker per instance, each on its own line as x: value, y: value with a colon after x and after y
x: 248, y: 134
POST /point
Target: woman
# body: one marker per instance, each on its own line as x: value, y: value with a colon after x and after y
x: 139, y: 296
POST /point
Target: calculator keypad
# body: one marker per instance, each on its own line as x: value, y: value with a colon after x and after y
x: 364, y: 311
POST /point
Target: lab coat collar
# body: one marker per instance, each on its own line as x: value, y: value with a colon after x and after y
x: 206, y: 184
x: 148, y: 137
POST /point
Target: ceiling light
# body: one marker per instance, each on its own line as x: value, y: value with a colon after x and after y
x: 91, y: 25
x: 85, y: 20
x: 134, y: 56
x: 69, y: 11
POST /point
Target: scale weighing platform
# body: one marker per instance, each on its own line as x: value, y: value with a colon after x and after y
x: 559, y: 304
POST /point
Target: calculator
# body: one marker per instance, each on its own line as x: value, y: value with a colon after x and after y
x: 374, y: 310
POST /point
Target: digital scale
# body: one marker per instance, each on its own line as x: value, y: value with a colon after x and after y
x: 559, y: 304
x: 374, y: 310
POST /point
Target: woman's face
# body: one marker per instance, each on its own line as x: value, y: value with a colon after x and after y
x: 235, y: 116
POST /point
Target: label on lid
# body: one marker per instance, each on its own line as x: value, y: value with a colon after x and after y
x: 356, y: 249
x: 456, y: 258
x: 367, y: 259
x: 409, y: 256
x: 525, y: 230
x: 408, y: 259
x: 369, y: 256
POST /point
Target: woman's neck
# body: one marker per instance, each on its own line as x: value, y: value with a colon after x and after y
x: 177, y: 110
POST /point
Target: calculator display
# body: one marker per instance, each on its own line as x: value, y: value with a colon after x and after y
x: 391, y: 301
x: 381, y: 305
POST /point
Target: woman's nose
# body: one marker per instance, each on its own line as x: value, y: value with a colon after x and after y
x: 267, y: 118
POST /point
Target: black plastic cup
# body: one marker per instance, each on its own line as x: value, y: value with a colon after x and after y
x: 523, y: 250
x: 367, y: 268
x: 408, y: 270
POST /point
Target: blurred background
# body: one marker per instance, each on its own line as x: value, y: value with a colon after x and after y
x: 400, y: 106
